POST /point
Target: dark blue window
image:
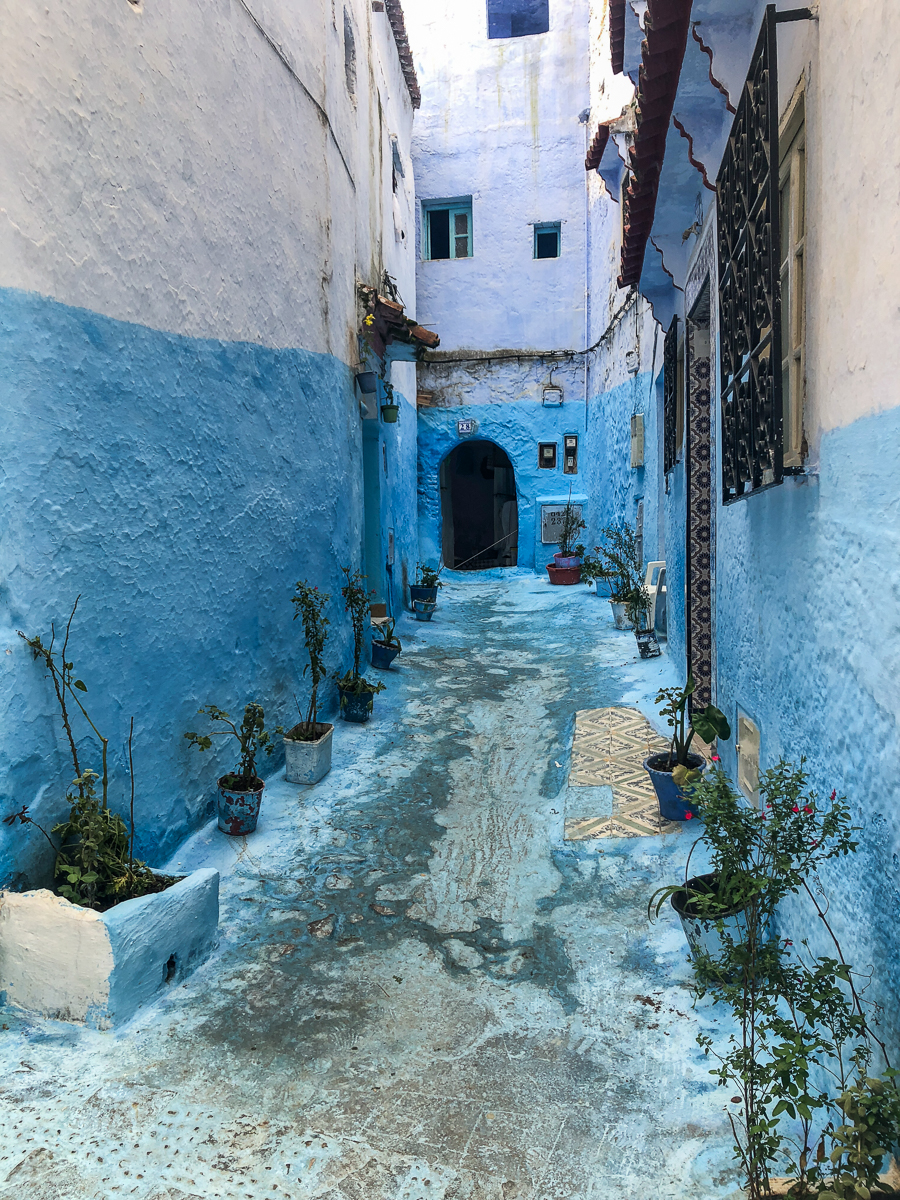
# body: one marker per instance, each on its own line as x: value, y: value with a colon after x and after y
x: 517, y: 18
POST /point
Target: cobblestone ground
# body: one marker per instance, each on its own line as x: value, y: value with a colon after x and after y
x: 421, y: 991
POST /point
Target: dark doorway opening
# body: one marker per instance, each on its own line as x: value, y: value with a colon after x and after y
x: 479, y: 514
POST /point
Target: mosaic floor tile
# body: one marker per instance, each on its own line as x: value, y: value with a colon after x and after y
x: 609, y: 749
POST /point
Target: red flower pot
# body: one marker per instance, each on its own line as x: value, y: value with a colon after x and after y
x: 564, y: 575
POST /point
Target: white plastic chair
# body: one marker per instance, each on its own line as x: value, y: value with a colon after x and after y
x: 651, y: 583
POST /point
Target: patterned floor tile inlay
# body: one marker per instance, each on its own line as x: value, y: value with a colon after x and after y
x: 609, y: 748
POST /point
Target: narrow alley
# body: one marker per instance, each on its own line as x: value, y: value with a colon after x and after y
x: 422, y: 990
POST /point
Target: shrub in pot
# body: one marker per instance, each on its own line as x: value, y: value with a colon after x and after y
x: 240, y: 790
x: 621, y: 567
x: 569, y: 554
x: 427, y: 583
x: 307, y: 746
x: 638, y: 609
x: 357, y: 693
x: 94, y: 849
x: 675, y: 769
x: 386, y: 647
x: 805, y: 1047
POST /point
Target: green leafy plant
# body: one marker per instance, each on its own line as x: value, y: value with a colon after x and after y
x: 252, y: 738
x: 356, y: 603
x: 427, y: 577
x: 570, y: 527
x: 618, y: 562
x: 804, y: 1040
x: 708, y: 725
x: 309, y: 604
x: 386, y: 635
x: 638, y: 609
x: 94, y: 848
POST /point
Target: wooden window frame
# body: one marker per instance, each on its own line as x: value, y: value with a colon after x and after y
x: 461, y: 206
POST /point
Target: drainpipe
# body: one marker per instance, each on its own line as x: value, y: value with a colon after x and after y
x: 585, y: 120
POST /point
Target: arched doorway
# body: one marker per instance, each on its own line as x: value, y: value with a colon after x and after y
x: 479, y: 514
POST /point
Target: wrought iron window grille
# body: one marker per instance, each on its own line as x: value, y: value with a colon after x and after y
x: 670, y: 396
x: 749, y: 283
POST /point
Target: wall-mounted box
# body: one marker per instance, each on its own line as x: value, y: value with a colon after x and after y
x: 547, y: 456
x: 637, y: 439
x: 570, y: 454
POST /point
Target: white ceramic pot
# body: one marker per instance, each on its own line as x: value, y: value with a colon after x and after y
x: 308, y: 762
x: 620, y: 614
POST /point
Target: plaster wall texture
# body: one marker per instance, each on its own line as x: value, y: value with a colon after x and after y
x: 500, y: 122
x: 191, y: 203
x: 70, y: 963
x: 807, y: 604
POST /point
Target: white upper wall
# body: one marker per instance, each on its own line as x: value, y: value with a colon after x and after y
x: 848, y: 61
x: 500, y: 122
x: 161, y: 164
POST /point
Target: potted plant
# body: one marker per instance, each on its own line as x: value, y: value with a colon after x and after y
x: 240, y: 790
x: 424, y: 609
x: 427, y: 583
x: 672, y: 770
x: 385, y: 647
x: 569, y: 554
x: 390, y: 410
x: 638, y: 609
x: 621, y: 567
x: 307, y: 746
x: 356, y: 692
x: 804, y: 1038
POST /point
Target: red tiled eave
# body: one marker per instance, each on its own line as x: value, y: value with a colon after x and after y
x: 617, y: 35
x: 398, y: 28
x: 597, y: 146
x: 666, y: 27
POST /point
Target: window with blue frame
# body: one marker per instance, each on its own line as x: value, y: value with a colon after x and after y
x: 448, y: 228
x: 546, y: 240
x: 517, y: 18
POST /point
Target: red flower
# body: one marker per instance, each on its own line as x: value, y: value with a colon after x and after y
x: 715, y: 758
x: 688, y: 816
x: 814, y: 844
x: 806, y: 808
x: 833, y: 794
x: 795, y: 809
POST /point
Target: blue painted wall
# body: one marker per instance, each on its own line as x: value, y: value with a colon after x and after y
x: 181, y: 486
x: 517, y: 427
x: 617, y: 485
x: 808, y: 599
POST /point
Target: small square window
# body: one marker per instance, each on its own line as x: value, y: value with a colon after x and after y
x: 546, y: 241
x: 517, y: 18
x: 448, y: 229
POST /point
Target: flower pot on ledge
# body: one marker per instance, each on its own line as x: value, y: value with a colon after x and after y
x: 390, y: 413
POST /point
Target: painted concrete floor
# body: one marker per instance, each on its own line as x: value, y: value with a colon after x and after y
x: 421, y: 992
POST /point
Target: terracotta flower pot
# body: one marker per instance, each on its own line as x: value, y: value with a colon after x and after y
x: 564, y: 575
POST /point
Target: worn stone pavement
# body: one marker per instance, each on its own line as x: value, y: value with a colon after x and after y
x: 421, y: 991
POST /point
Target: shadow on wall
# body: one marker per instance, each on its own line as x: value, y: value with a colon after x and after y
x: 479, y: 512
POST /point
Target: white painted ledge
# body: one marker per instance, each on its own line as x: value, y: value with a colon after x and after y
x: 63, y: 961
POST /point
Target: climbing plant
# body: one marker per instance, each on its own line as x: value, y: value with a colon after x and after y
x: 816, y: 1096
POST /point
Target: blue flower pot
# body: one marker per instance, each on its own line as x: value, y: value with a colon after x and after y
x: 238, y: 812
x: 423, y: 609
x: 382, y: 655
x: 417, y: 592
x: 673, y: 805
x: 356, y: 706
